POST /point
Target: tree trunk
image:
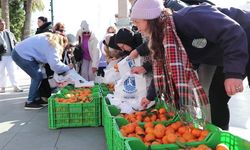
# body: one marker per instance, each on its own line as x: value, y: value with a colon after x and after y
x: 27, y: 22
x: 5, y: 12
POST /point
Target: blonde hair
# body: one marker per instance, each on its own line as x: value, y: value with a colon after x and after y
x: 57, y: 41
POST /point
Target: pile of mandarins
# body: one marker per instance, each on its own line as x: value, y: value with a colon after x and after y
x: 160, y: 114
x: 152, y: 134
x: 76, y: 95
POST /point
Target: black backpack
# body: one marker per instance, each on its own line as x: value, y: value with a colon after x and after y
x: 78, y: 54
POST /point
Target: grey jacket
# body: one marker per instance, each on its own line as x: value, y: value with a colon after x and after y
x: 8, y: 40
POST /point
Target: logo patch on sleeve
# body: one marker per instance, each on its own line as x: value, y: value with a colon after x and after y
x: 199, y: 43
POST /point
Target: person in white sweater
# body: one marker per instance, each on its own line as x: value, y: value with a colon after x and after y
x: 91, y: 53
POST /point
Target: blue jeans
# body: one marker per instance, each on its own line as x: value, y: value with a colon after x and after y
x: 33, y: 70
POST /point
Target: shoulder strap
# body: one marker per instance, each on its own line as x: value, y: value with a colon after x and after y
x: 79, y: 40
x: 8, y: 35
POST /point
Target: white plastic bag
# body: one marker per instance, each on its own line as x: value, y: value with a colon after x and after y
x: 74, y: 78
x: 131, y: 88
x: 99, y: 79
x: 126, y: 106
x: 110, y: 74
x: 127, y: 63
x: 112, y: 63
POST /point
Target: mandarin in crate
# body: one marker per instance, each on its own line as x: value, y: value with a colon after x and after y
x: 182, y: 129
x: 153, y: 117
x: 169, y: 129
x: 176, y: 125
x: 149, y: 130
x: 138, y: 118
x: 171, y: 137
x: 162, y: 111
x: 158, y: 133
x: 165, y: 140
x: 188, y: 136
x: 204, y: 147
x: 160, y: 127
x: 204, y: 133
x: 147, y: 119
x: 221, y: 146
x: 124, y: 132
x: 148, y: 124
x: 149, y: 137
x: 196, y: 132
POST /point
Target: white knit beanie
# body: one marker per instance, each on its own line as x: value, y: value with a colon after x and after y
x: 84, y: 26
x: 146, y: 9
x: 71, y: 39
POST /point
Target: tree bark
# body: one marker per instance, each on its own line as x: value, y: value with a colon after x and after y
x: 5, y: 12
x: 27, y: 22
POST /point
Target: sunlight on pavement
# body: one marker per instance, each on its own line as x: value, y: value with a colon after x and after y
x: 12, y: 99
x: 5, y: 126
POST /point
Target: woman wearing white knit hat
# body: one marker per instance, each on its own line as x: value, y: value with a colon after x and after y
x: 91, y: 52
x: 219, y: 42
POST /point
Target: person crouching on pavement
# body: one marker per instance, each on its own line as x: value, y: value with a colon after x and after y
x: 30, y: 53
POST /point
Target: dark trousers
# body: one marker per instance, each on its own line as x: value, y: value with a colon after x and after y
x: 44, y: 89
x: 219, y: 100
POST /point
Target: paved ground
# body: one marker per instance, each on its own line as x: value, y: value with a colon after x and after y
x: 28, y: 130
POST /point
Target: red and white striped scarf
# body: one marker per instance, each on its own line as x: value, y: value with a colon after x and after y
x: 176, y: 81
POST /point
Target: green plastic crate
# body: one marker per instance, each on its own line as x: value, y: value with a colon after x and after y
x: 136, y: 144
x: 119, y: 144
x: 62, y: 115
x: 104, y: 103
x: 111, y: 127
x: 104, y: 89
x: 139, y: 145
x: 233, y: 142
x: 109, y: 113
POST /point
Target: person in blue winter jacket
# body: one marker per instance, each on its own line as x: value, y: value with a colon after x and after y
x: 216, y: 41
x: 31, y: 53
